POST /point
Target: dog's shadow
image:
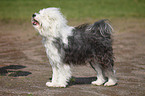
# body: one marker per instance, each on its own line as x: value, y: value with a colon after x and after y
x: 81, y: 80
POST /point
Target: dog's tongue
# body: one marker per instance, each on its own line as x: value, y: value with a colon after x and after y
x: 35, y: 23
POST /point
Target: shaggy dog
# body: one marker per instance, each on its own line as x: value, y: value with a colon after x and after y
x: 80, y: 45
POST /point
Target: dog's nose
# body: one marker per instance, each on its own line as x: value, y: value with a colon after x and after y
x: 33, y: 15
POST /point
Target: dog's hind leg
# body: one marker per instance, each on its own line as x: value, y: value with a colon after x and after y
x: 100, y: 75
x: 110, y: 73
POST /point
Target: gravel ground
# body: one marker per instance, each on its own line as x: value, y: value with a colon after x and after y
x: 24, y: 67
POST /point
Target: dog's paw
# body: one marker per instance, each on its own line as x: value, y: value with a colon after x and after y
x: 50, y: 84
x: 110, y: 83
x: 98, y: 82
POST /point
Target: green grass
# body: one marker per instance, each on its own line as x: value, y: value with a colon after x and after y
x: 73, y: 9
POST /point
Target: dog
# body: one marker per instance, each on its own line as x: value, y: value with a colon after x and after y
x: 66, y: 46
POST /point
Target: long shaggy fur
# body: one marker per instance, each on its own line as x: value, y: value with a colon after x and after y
x: 65, y: 46
x: 87, y: 44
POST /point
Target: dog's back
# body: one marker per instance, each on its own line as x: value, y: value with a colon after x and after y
x: 90, y: 42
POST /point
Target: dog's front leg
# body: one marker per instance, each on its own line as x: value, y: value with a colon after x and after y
x: 64, y: 75
x: 55, y: 75
x: 54, y: 82
x: 60, y: 77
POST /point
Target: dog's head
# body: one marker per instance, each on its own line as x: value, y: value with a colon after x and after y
x: 48, y: 21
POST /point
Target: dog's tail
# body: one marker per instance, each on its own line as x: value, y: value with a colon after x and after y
x: 103, y: 27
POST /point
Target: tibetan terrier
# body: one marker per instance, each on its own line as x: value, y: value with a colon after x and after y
x: 66, y: 46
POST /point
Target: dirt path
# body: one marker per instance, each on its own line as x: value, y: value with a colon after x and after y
x: 24, y: 67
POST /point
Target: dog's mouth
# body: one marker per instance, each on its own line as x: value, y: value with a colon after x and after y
x: 35, y: 22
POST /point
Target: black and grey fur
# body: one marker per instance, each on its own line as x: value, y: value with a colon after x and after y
x: 89, y: 43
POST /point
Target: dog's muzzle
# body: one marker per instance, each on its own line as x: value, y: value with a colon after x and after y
x: 34, y: 21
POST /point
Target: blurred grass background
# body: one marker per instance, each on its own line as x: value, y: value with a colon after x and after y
x: 73, y: 9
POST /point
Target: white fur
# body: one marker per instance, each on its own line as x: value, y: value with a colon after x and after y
x: 110, y: 82
x: 52, y: 24
x: 100, y: 80
x: 60, y: 76
x: 100, y: 77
